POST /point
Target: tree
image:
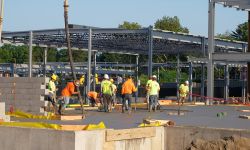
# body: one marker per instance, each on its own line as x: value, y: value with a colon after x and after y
x: 241, y: 32
x: 130, y: 25
x: 170, y: 24
x: 226, y: 36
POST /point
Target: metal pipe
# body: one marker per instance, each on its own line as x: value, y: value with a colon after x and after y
x: 226, y: 86
x: 210, y: 65
x: 137, y: 78
x: 202, y: 81
x: 30, y: 53
x: 178, y: 76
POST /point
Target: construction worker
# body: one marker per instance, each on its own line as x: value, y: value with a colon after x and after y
x: 153, y: 91
x: 92, y: 96
x: 128, y: 88
x: 67, y: 92
x: 82, y: 80
x: 183, y: 91
x: 114, y: 90
x: 147, y: 87
x: 106, y: 90
x: 52, y: 91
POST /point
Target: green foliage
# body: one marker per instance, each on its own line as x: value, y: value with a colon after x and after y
x: 170, y: 24
x: 226, y: 36
x: 143, y: 78
x: 129, y: 25
x: 170, y: 76
x: 241, y: 32
x: 51, y: 55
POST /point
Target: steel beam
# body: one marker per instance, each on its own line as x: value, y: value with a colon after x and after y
x: 190, y: 82
x: 94, y: 72
x: 232, y: 57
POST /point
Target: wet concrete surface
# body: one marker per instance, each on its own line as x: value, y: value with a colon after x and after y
x: 202, y: 116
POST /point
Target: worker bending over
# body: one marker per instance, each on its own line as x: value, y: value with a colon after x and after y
x: 93, y: 98
x: 153, y: 91
x: 106, y: 90
x: 67, y: 92
x: 128, y: 88
x: 183, y: 91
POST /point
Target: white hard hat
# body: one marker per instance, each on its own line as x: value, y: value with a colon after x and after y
x: 154, y: 76
x: 106, y: 76
x: 186, y: 82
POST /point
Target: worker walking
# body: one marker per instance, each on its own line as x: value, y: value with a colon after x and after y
x: 114, y: 90
x: 153, y: 90
x: 128, y: 88
x: 52, y: 91
x: 106, y: 90
x: 183, y: 91
x: 67, y: 92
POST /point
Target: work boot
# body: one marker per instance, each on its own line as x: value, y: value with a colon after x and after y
x: 123, y: 109
x: 60, y: 110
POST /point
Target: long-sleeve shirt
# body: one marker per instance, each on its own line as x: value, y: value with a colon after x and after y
x: 128, y: 87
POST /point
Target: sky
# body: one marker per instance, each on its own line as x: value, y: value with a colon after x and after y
x: 20, y: 15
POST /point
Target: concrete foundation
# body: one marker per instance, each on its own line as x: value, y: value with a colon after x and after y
x: 158, y: 138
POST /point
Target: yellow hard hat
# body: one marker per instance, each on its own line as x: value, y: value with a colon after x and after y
x: 111, y: 80
x: 54, y: 77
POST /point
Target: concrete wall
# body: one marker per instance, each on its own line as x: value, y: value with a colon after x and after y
x: 162, y: 138
x: 26, y: 94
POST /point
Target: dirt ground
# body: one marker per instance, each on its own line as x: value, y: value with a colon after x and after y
x: 227, y: 143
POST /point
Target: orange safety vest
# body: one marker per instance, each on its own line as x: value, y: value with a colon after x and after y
x: 69, y: 89
x: 128, y: 87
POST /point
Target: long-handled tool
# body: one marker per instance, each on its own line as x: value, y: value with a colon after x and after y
x: 66, y: 6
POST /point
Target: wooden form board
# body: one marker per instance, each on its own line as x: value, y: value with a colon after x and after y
x: 162, y: 122
x: 126, y: 134
x: 73, y: 127
x: 165, y: 102
x: 244, y: 117
x: 244, y: 110
x: 70, y: 117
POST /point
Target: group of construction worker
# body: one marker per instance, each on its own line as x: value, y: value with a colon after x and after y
x: 107, y: 96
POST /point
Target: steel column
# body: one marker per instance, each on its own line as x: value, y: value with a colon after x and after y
x: 190, y: 82
x: 45, y: 61
x: 137, y: 78
x: 150, y: 50
x: 226, y: 81
x: 89, y: 61
x: 30, y: 53
x: 94, y: 72
x: 203, y: 46
x: 210, y: 65
x: 178, y: 76
x: 203, y: 81
x: 248, y: 63
x: 1, y: 19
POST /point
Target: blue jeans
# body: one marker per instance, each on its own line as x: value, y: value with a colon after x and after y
x: 153, y: 101
x: 129, y: 98
x: 65, y: 101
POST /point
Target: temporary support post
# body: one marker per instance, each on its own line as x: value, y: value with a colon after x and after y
x: 226, y: 81
x: 243, y: 78
x: 1, y: 19
x: 210, y: 65
x: 248, y: 63
x: 30, y: 53
x: 45, y: 61
x: 94, y: 72
x: 190, y: 82
x: 89, y: 61
x: 150, y: 50
x: 202, y: 81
